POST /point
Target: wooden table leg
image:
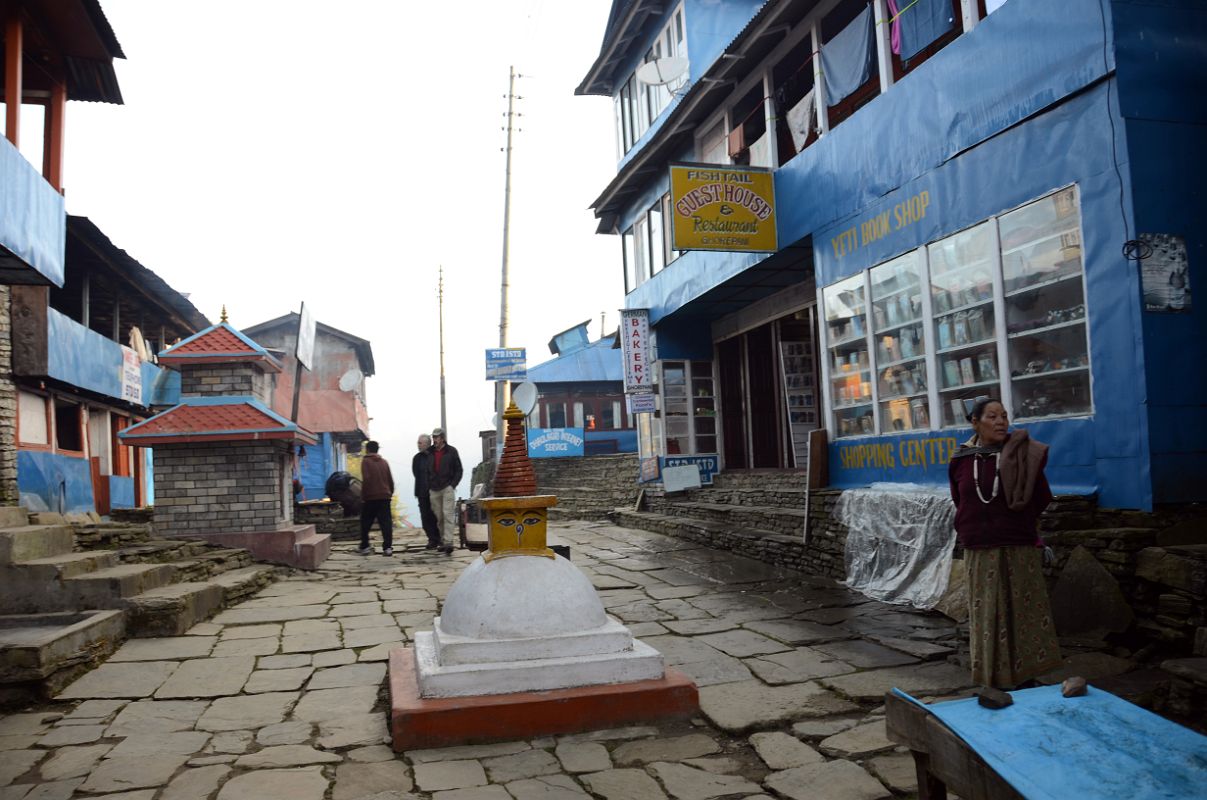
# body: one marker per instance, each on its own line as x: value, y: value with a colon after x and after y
x: 929, y: 787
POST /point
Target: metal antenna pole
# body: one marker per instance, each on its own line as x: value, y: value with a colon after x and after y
x: 440, y: 296
x: 602, y: 332
x: 503, y: 388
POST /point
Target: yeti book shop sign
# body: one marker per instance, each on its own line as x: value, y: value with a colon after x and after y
x: 722, y: 208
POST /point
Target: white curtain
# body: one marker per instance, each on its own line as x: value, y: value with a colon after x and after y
x: 760, y: 152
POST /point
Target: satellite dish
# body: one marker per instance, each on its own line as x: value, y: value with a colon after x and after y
x: 350, y: 380
x: 662, y: 71
x: 524, y: 397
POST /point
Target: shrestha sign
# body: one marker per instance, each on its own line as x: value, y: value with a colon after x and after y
x: 722, y: 208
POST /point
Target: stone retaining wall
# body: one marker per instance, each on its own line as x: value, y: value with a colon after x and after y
x: 9, y: 496
x: 587, y: 487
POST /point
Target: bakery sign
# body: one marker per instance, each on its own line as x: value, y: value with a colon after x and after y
x: 722, y: 208
x: 635, y: 345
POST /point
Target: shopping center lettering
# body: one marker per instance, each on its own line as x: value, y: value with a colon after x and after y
x: 924, y: 453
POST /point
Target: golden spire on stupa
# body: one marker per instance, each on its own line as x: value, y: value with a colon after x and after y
x: 223, y: 318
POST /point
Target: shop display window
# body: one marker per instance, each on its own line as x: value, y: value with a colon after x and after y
x: 961, y: 287
x: 689, y: 410
x: 949, y: 322
x: 1045, y: 307
x: 850, y: 364
x: 897, y: 331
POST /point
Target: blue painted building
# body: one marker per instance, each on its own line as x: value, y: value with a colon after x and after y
x: 583, y: 387
x: 80, y: 318
x: 84, y: 369
x: 974, y: 198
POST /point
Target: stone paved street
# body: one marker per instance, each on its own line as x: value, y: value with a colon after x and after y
x: 284, y: 695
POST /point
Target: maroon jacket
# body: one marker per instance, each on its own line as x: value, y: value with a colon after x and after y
x: 377, y: 482
x: 992, y: 524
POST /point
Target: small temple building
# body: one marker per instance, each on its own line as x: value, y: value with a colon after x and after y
x: 223, y: 459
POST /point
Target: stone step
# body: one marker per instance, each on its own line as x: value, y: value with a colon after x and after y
x: 239, y: 584
x: 34, y: 541
x: 160, y: 551
x: 786, y: 521
x: 13, y: 517
x: 106, y: 588
x: 171, y: 610
x: 110, y: 535
x: 52, y: 568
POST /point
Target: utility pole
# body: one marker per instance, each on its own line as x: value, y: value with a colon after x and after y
x: 440, y: 303
x: 503, y: 388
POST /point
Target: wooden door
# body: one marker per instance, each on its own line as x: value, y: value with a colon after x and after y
x: 733, y: 406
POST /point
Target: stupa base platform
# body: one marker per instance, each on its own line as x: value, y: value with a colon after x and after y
x: 418, y: 722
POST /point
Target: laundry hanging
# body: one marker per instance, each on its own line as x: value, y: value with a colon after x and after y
x: 846, y: 60
x: 921, y: 22
x: 800, y: 120
x: 760, y: 152
x: 737, y: 141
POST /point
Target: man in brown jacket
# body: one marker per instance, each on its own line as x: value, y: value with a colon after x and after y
x: 377, y: 489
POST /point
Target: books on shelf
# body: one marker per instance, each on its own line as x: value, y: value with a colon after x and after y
x: 967, y: 374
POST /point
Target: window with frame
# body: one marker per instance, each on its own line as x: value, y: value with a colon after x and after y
x: 555, y: 414
x: 646, y: 246
x: 1008, y: 290
x: 639, y: 104
x: 68, y: 426
x: 34, y: 428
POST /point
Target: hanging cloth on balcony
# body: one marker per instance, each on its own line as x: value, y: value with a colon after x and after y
x: 846, y: 60
x: 760, y: 152
x: 920, y: 23
x: 737, y: 140
x: 800, y: 120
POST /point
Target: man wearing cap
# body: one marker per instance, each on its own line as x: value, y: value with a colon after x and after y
x: 443, y: 475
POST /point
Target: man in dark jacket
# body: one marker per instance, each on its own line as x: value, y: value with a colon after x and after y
x: 377, y: 489
x: 419, y: 464
x: 443, y: 475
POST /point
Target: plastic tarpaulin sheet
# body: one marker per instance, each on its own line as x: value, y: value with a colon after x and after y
x: 33, y: 222
x: 846, y: 60
x: 1097, y: 745
x: 899, y: 543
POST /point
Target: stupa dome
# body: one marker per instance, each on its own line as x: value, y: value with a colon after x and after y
x: 512, y: 598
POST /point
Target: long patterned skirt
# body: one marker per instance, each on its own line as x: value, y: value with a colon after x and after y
x: 1010, y: 620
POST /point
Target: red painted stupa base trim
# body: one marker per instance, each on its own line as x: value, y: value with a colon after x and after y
x: 420, y: 723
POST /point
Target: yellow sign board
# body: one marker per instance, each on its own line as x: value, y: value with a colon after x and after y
x: 722, y: 208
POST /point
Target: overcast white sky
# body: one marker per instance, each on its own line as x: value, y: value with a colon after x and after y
x: 275, y: 151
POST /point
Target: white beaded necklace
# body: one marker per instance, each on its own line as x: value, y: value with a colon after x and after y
x: 997, y: 477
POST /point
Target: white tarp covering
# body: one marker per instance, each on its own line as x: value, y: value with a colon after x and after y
x: 900, y: 542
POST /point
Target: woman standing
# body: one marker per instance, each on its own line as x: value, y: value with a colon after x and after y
x: 999, y: 490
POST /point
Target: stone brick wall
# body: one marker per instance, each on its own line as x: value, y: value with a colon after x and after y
x: 214, y: 380
x: 219, y: 487
x: 587, y: 487
x: 8, y: 406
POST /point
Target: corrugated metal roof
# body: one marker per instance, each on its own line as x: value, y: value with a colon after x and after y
x: 85, y: 231
x: 594, y: 363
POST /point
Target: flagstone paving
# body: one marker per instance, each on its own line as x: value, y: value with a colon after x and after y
x: 284, y: 696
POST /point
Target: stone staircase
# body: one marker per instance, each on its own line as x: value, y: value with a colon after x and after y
x: 65, y: 609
